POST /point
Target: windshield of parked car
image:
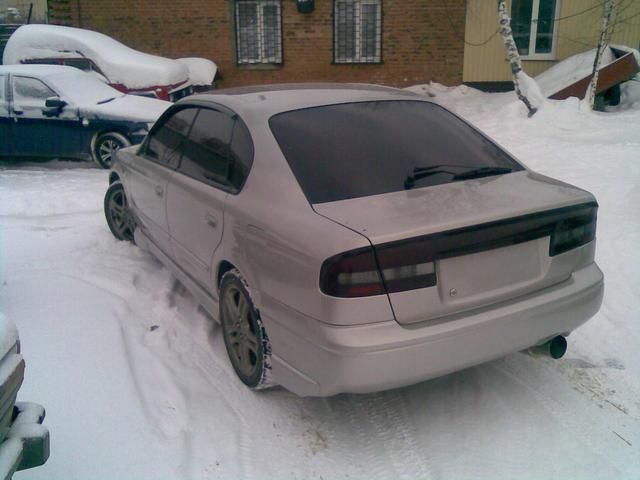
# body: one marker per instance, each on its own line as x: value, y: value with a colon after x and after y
x: 358, y: 149
x: 82, y: 89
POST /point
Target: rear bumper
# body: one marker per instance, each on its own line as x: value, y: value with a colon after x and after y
x: 27, y: 443
x: 315, y: 359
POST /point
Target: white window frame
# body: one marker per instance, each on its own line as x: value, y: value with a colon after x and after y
x: 262, y: 51
x: 535, y: 7
x: 357, y: 58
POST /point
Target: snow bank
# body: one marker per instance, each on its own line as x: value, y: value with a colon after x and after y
x: 530, y: 89
x: 201, y: 71
x: 570, y: 70
x: 119, y: 63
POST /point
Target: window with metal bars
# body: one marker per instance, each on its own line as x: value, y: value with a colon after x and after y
x: 258, y: 31
x: 357, y: 31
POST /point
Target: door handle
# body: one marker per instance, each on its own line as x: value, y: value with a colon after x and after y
x: 159, y: 190
x: 18, y: 111
x: 211, y: 220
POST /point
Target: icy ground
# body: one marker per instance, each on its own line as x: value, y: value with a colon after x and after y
x: 137, y: 385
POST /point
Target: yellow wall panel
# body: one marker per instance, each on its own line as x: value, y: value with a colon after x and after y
x: 577, y: 30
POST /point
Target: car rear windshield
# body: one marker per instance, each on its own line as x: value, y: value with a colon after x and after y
x: 358, y: 149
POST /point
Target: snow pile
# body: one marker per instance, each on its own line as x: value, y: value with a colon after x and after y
x: 119, y: 63
x: 201, y: 71
x: 570, y: 70
x: 629, y: 95
x: 137, y: 384
x: 530, y: 89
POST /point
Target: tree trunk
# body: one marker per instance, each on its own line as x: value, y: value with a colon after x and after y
x: 602, y: 43
x: 512, y: 53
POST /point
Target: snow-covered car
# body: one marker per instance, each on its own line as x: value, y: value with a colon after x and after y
x: 356, y: 238
x: 122, y: 67
x: 57, y: 111
x: 24, y: 441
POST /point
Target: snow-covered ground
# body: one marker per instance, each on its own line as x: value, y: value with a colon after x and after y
x: 137, y: 385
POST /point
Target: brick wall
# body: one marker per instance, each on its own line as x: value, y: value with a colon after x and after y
x: 418, y: 43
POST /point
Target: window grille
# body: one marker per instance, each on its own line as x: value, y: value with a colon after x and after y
x: 357, y: 31
x: 258, y: 31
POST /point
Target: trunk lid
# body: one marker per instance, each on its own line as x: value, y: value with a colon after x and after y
x: 485, y: 229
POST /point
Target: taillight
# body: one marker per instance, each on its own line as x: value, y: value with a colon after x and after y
x: 573, y: 232
x: 351, y: 274
x: 363, y: 272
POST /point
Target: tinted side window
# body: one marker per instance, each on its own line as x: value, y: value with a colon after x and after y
x: 241, y: 155
x: 81, y: 63
x: 206, y: 152
x: 164, y: 144
x: 30, y: 90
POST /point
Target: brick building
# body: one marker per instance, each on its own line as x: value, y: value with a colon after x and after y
x: 391, y: 42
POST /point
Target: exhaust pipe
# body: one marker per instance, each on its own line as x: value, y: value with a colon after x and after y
x: 554, y: 348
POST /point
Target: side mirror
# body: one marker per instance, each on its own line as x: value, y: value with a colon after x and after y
x: 53, y: 106
x: 55, y: 102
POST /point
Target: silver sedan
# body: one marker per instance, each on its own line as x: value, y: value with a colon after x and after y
x: 354, y: 238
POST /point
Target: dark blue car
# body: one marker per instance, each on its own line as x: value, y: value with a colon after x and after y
x: 57, y: 111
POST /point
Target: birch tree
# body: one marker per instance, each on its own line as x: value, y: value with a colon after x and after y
x: 605, y: 35
x: 512, y: 54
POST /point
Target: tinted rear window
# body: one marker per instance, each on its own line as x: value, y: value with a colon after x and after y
x: 368, y: 148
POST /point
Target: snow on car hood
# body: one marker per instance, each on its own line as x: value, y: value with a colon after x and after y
x: 8, y: 335
x: 127, y: 107
x: 119, y: 63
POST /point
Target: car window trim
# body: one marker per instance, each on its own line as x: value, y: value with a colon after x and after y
x: 33, y: 78
x: 142, y: 150
x: 226, y: 187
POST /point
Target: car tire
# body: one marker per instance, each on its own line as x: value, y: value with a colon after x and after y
x: 245, y: 337
x: 117, y: 213
x: 104, y: 145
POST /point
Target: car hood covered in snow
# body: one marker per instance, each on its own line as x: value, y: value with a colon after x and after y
x: 121, y: 64
x: 127, y: 107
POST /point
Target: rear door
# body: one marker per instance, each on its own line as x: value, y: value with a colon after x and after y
x: 35, y: 134
x: 5, y: 130
x: 148, y: 173
x: 197, y: 193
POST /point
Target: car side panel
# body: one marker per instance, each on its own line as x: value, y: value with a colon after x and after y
x: 195, y: 213
x: 34, y: 134
x: 146, y: 183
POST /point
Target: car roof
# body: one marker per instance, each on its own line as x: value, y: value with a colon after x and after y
x: 268, y: 100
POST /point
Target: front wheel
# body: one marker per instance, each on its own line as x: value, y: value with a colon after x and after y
x: 244, y: 334
x: 116, y: 211
x: 105, y: 145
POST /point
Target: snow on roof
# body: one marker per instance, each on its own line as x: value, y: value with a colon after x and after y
x: 570, y: 70
x: 119, y: 63
x: 71, y: 83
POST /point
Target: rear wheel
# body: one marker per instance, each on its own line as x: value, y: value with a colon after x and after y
x: 244, y: 335
x: 105, y: 145
x: 116, y: 210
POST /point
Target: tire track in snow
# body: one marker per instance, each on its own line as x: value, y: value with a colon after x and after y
x: 387, y: 414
